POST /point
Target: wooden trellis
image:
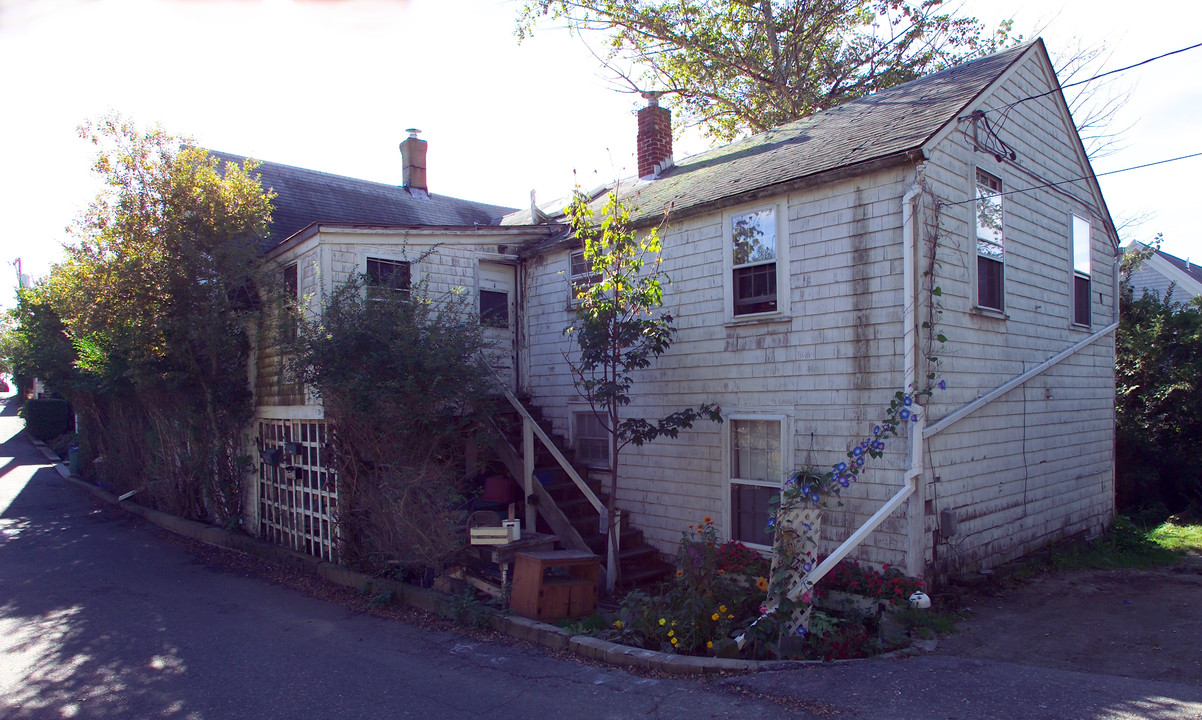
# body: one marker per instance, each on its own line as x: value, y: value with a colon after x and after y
x: 298, y: 492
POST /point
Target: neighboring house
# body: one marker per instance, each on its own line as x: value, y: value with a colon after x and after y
x: 802, y: 261
x: 1161, y: 271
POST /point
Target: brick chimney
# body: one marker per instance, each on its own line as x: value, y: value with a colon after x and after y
x: 655, y: 137
x: 413, y: 161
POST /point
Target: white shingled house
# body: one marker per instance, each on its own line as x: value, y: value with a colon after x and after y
x: 972, y: 181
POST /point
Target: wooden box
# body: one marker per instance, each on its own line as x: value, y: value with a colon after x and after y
x: 540, y: 595
x: 490, y: 536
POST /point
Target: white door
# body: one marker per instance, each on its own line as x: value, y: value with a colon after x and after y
x: 496, y: 293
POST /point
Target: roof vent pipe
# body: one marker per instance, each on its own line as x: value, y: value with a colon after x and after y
x: 655, y: 137
x: 413, y: 161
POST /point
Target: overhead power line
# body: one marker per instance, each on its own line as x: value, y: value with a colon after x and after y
x: 1084, y: 177
x: 1102, y: 75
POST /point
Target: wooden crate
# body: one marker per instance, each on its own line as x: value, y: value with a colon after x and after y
x: 539, y: 595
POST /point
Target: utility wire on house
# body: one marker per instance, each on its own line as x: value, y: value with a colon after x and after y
x: 1099, y: 76
x: 1083, y: 177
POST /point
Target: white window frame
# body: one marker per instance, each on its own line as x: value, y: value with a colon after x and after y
x: 579, y: 416
x: 783, y: 293
x: 1081, y: 270
x: 578, y: 281
x: 371, y: 286
x: 729, y: 479
x: 977, y: 239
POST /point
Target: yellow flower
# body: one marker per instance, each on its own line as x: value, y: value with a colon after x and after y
x: 761, y: 584
x: 714, y: 616
x: 720, y: 572
x: 710, y: 644
x: 674, y: 641
x: 618, y: 624
x: 679, y: 573
x: 722, y: 608
x: 671, y: 633
x: 730, y: 617
x: 663, y: 622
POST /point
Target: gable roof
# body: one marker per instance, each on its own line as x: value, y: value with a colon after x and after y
x: 304, y: 197
x: 882, y: 129
x: 1185, y: 266
x: 1160, y: 271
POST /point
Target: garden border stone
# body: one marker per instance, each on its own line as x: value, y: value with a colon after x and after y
x: 544, y: 634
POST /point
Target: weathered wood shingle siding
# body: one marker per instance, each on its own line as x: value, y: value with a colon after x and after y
x: 827, y: 366
x: 1036, y: 464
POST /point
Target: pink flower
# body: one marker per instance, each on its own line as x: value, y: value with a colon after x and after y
x: 805, y: 598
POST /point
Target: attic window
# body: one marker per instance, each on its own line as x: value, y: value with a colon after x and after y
x: 991, y: 244
x: 753, y: 261
x: 387, y: 276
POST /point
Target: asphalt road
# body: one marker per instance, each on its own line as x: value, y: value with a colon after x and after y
x: 102, y: 618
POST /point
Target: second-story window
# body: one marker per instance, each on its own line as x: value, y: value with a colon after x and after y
x: 582, y: 276
x: 991, y: 243
x: 387, y: 276
x: 753, y: 261
x: 291, y: 300
x: 1081, y: 278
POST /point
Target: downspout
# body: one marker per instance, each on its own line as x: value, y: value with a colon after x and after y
x: 915, y: 519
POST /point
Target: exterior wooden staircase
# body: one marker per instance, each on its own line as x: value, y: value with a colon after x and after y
x: 572, y: 511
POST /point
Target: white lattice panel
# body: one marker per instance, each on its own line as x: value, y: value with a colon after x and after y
x: 299, y: 496
x: 798, y: 530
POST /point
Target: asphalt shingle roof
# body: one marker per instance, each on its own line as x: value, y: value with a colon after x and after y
x: 1189, y: 268
x: 307, y: 196
x: 887, y: 123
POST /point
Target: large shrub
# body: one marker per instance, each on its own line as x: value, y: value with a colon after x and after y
x: 46, y: 419
x: 405, y: 387
x: 1159, y: 405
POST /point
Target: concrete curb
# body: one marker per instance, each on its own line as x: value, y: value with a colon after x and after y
x: 544, y: 634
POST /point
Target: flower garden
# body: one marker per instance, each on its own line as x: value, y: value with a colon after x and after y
x: 719, y: 592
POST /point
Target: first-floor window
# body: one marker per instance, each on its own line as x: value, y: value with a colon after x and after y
x: 590, y: 439
x: 755, y: 478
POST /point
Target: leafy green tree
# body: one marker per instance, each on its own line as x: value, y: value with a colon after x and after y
x: 403, y: 383
x: 620, y: 330
x: 152, y: 305
x: 738, y: 66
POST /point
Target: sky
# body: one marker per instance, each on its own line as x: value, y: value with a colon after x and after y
x: 332, y: 85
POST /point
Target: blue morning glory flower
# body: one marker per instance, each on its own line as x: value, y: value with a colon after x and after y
x: 876, y: 430
x: 814, y: 497
x: 807, y: 566
x: 903, y: 413
x: 914, y: 417
x: 807, y: 526
x: 860, y: 462
x: 843, y: 481
x: 907, y: 401
x: 840, y: 467
x: 943, y: 385
x: 857, y: 450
